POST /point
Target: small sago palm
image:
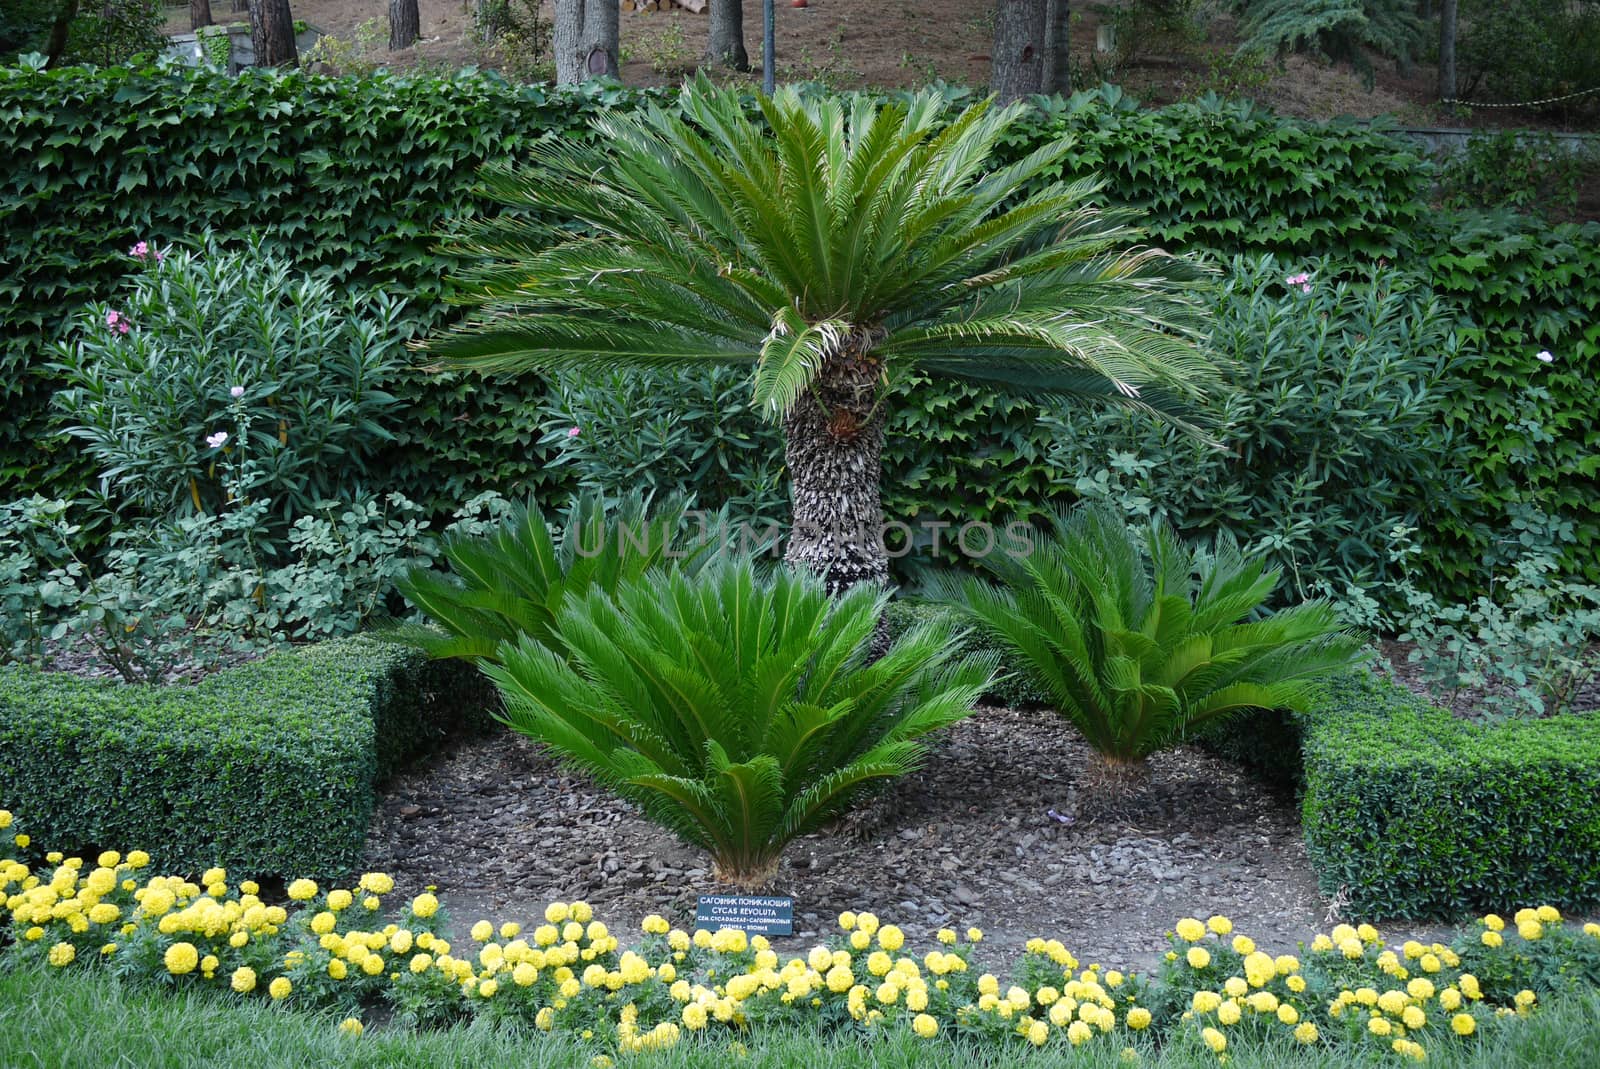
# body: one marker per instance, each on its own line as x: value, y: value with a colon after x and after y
x: 735, y: 710
x: 513, y: 580
x: 1140, y: 641
x: 834, y: 247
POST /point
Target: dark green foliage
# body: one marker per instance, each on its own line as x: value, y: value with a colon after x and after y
x: 1528, y: 429
x: 1525, y: 50
x: 1523, y: 170
x: 109, y: 32
x: 1009, y: 687
x: 1141, y: 642
x: 353, y: 179
x: 1335, y: 435
x: 1414, y: 812
x: 736, y: 711
x: 513, y: 582
x: 1340, y: 30
x: 268, y: 767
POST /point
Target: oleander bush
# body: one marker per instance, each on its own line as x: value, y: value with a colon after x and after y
x: 1412, y: 811
x: 336, y: 948
x: 1140, y: 641
x: 270, y: 764
x: 738, y: 711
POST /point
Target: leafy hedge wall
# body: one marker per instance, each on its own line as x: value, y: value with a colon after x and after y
x: 1532, y: 428
x: 270, y: 765
x: 356, y: 177
x: 1415, y: 812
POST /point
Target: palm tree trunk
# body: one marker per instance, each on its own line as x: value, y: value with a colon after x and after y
x: 833, y: 441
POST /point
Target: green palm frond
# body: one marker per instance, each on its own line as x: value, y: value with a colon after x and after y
x: 1140, y: 641
x: 736, y: 710
x: 707, y: 233
x: 513, y: 581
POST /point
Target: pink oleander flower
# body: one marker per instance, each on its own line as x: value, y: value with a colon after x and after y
x: 237, y: 391
x: 112, y: 317
x: 574, y: 432
x: 1298, y: 280
x: 1306, y: 288
x: 122, y: 328
x: 217, y: 440
x: 140, y: 250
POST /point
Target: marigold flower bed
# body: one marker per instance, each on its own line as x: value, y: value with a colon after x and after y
x: 337, y: 948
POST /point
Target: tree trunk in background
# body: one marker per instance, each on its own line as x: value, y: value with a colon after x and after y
x: 833, y: 442
x: 1056, y: 74
x: 405, y: 24
x: 199, y: 14
x: 272, y: 33
x: 57, y: 44
x: 725, y: 44
x: 240, y: 5
x: 1017, y: 59
x: 1447, y: 49
x: 584, y: 38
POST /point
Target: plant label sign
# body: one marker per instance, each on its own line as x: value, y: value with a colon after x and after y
x: 756, y: 914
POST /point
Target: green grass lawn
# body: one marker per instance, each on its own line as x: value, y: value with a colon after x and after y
x: 84, y: 1021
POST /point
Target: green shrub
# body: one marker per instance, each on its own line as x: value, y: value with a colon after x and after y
x: 692, y: 434
x: 1410, y: 811
x: 1520, y: 169
x: 1525, y: 427
x: 738, y: 712
x: 268, y: 767
x: 1334, y: 436
x: 1529, y: 50
x: 510, y: 581
x: 1141, y: 642
x: 1342, y: 30
x: 226, y: 377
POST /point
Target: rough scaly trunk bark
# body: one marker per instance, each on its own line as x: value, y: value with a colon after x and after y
x: 272, y: 33
x: 405, y: 24
x: 1017, y: 59
x: 725, y: 44
x: 833, y: 441
x: 199, y: 13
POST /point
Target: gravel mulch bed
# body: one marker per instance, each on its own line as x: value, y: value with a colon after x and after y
x: 999, y: 830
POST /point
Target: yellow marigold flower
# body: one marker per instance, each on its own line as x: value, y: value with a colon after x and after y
x: 1219, y: 924
x: 1392, y: 1002
x: 1228, y: 1013
x: 581, y: 912
x: 867, y: 922
x: 1449, y: 999
x: 1494, y: 922
x: 1243, y: 944
x: 1430, y: 963
x: 1235, y: 987
x: 948, y: 937
x: 1352, y: 948
x: 1263, y: 1002
x: 1138, y: 1018
x: 1491, y: 938
x: 1379, y: 1026
x: 1038, y: 1033
x: 424, y: 905
x: 104, y: 913
x: 545, y: 1019
x: 61, y: 955
x: 351, y: 1026
x: 488, y: 988
x: 482, y: 932
x: 847, y: 920
x: 1525, y: 998
x: 1408, y: 1049
x: 1531, y: 930
x: 181, y: 958
x: 1215, y: 1040
x: 1420, y: 989
x: 1342, y: 932
x: 279, y: 988
x: 337, y: 970
x: 1198, y: 957
x: 371, y: 903
x: 1592, y: 929
x: 840, y: 979
x: 1288, y: 1014
x: 1469, y: 985
x: 974, y: 935
x: 1296, y: 983
x: 924, y: 1026
x: 303, y: 890
x: 324, y: 922
x: 891, y: 938
x: 1306, y: 1032
x: 1413, y: 1017
x: 1079, y: 1032
x: 33, y: 934
x: 1463, y: 1024
x: 1190, y: 930
x: 5, y: 819
x: 1548, y: 914
x: 23, y: 841
x: 243, y: 980
x: 1205, y: 1001
x: 1368, y: 934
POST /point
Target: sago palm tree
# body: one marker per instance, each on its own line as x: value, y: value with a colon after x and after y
x: 1140, y: 641
x: 735, y: 710
x: 834, y: 247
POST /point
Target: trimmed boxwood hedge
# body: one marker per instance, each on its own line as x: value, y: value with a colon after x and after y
x: 1415, y: 812
x: 269, y: 766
